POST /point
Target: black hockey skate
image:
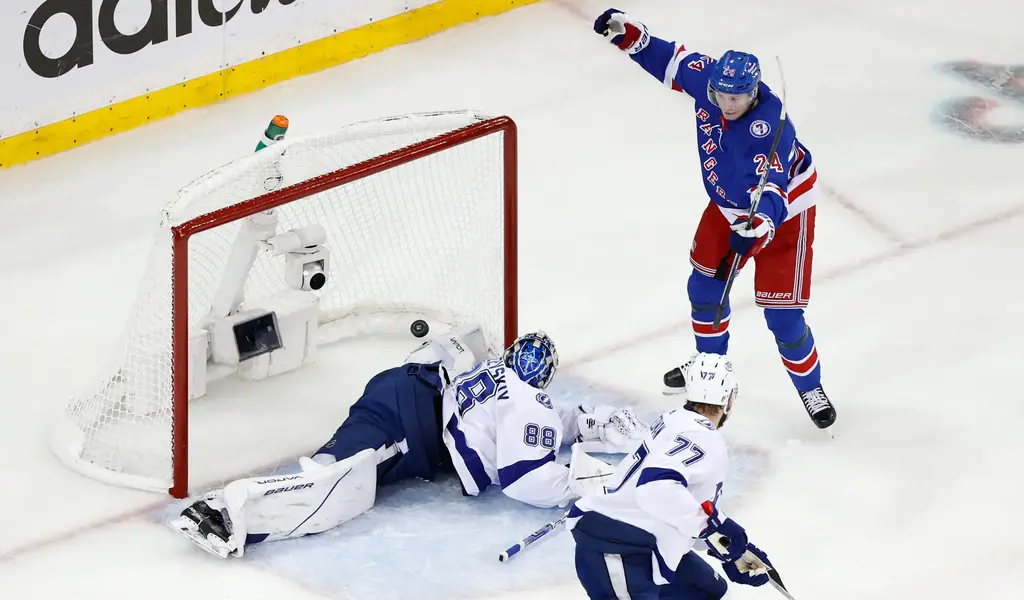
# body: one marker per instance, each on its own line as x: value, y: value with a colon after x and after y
x: 819, y: 408
x: 675, y: 379
x: 209, y: 520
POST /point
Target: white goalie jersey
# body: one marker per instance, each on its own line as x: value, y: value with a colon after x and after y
x: 500, y: 430
x: 497, y: 429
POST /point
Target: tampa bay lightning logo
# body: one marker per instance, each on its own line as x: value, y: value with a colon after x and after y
x: 544, y: 400
x: 760, y: 129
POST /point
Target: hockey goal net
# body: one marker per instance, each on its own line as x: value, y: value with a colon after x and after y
x: 406, y: 218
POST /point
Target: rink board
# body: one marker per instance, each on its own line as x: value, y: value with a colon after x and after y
x: 425, y: 540
x: 110, y: 92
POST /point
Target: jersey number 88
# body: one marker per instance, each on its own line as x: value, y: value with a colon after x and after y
x: 534, y: 435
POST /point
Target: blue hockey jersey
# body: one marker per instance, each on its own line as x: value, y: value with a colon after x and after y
x: 734, y: 154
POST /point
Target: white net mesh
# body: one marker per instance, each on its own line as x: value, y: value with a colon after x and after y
x: 424, y: 238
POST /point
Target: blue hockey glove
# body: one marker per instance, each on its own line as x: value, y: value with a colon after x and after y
x: 750, y: 568
x: 748, y: 242
x: 726, y: 540
x: 629, y: 35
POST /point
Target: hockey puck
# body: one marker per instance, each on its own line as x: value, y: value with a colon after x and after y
x: 419, y: 328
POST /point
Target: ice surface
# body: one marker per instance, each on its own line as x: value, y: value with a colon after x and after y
x: 917, y: 302
x: 420, y: 533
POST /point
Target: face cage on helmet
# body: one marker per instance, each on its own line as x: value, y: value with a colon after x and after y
x: 542, y: 377
x: 545, y: 372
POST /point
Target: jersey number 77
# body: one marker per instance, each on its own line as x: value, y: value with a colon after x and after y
x: 694, y: 454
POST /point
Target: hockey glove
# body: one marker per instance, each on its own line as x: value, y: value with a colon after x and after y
x: 629, y: 35
x: 748, y: 242
x: 726, y: 540
x: 608, y: 429
x: 749, y: 569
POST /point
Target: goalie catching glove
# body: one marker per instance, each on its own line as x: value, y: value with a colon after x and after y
x: 611, y: 430
x: 605, y: 430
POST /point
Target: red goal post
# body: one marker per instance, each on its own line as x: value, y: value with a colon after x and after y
x: 405, y: 226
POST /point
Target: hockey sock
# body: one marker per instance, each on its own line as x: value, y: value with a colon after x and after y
x: 705, y: 293
x: 796, y: 346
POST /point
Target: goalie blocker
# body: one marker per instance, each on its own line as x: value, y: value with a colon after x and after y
x: 418, y: 420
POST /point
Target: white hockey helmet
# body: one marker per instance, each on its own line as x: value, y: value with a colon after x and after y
x: 711, y: 380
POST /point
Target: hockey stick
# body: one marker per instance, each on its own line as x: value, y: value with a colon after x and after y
x: 755, y: 201
x: 722, y: 543
x: 527, y: 541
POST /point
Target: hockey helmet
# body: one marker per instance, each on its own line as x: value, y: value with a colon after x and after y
x: 711, y: 380
x: 533, y: 358
x: 735, y: 73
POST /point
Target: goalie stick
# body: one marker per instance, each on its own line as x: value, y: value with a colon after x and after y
x: 722, y: 543
x: 531, y: 539
x: 755, y: 201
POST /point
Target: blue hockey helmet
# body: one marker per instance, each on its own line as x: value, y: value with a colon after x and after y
x: 735, y: 73
x: 533, y: 358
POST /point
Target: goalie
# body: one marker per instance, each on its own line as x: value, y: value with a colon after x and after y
x: 492, y: 424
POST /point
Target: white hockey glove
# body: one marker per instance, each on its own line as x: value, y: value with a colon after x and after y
x: 610, y: 430
x: 459, y: 350
x: 587, y: 475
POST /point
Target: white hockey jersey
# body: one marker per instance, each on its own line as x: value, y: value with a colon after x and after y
x: 681, y: 463
x: 501, y: 430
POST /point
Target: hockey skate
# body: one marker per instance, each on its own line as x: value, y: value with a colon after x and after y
x: 819, y: 408
x: 675, y: 379
x: 206, y: 527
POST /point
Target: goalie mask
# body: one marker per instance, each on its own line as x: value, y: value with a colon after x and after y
x: 711, y: 380
x: 533, y: 358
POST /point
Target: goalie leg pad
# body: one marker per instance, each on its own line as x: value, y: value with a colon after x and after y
x: 289, y: 506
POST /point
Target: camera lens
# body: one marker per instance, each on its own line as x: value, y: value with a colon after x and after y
x: 313, y: 276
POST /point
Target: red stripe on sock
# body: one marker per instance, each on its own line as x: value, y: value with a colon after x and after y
x: 804, y: 365
x: 708, y: 329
